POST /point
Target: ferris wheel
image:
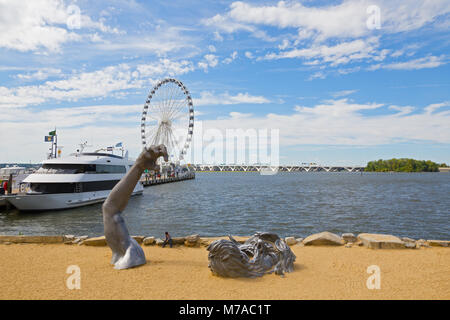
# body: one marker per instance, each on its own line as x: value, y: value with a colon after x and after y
x: 168, y: 118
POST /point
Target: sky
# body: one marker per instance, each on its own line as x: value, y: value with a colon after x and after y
x: 342, y: 82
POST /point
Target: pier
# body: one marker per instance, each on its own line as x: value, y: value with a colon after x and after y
x: 148, y: 180
x: 266, y: 168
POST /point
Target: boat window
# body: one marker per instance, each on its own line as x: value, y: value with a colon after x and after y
x: 60, y: 168
x: 52, y: 188
x: 108, y: 168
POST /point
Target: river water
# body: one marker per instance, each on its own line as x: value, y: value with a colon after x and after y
x: 416, y: 205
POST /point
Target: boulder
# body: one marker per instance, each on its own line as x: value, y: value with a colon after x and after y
x: 178, y: 240
x: 290, y: 241
x: 349, y: 237
x: 439, y: 243
x: 349, y: 244
x: 406, y: 239
x: 410, y: 245
x: 32, y: 239
x: 159, y: 242
x: 95, y: 242
x: 139, y: 239
x: 422, y: 243
x: 323, y: 239
x: 192, y: 240
x: 380, y: 241
x: 149, y: 241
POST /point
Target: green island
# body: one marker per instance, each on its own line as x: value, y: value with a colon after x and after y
x: 403, y: 165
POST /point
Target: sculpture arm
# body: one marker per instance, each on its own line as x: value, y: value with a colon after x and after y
x: 120, y: 194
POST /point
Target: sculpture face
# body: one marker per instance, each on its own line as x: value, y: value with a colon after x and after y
x: 262, y: 253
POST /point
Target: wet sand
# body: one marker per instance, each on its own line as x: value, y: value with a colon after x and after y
x: 38, y: 271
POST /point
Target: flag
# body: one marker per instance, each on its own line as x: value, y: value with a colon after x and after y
x: 119, y: 145
x: 52, y: 133
x: 48, y: 139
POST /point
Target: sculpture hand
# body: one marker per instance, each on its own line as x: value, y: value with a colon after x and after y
x: 147, y: 159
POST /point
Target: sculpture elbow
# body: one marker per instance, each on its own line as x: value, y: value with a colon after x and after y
x: 108, y: 208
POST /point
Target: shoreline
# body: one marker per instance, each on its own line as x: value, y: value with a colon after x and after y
x: 40, y: 271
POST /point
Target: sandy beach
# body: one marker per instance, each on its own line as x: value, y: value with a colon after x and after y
x: 38, y: 271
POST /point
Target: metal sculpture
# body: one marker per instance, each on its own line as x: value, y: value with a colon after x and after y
x: 126, y: 252
x: 262, y: 253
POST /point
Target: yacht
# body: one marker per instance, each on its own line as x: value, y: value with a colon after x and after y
x: 83, y: 178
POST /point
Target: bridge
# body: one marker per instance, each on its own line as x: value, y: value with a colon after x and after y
x: 268, y: 168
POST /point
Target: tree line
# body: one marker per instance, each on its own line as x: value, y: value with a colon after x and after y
x: 403, y: 165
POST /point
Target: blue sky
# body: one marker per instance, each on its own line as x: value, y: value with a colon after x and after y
x: 338, y: 89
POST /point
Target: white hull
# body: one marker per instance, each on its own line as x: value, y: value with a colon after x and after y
x: 58, y: 201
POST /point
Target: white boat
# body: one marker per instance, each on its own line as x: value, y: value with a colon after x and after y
x: 18, y: 175
x: 77, y: 180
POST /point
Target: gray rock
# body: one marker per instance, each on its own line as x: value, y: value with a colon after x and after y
x: 323, y: 239
x: 438, y: 243
x: 380, y: 241
x: 192, y: 240
x: 406, y: 239
x: 159, y: 242
x: 290, y: 241
x: 410, y: 245
x: 349, y: 237
x: 149, y: 241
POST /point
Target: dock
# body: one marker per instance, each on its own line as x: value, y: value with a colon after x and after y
x: 148, y: 181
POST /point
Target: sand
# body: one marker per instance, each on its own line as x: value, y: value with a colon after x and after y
x: 38, y: 271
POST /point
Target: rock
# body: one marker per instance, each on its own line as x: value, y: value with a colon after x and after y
x: 349, y: 244
x: 406, y: 239
x: 410, y: 245
x: 32, y: 239
x: 380, y: 241
x: 299, y: 240
x: 149, y: 241
x: 178, y: 240
x: 323, y: 239
x: 422, y: 243
x: 159, y: 242
x: 192, y: 240
x: 439, y: 243
x: 139, y: 239
x: 208, y: 240
x: 290, y: 241
x: 349, y: 237
x: 96, y: 242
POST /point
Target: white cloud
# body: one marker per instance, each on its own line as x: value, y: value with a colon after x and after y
x: 111, y: 81
x: 343, y: 20
x: 41, y: 24
x: 41, y: 74
x: 342, y: 93
x: 209, y: 98
x: 340, y: 122
x: 416, y: 64
x: 249, y: 55
x: 231, y: 58
x: 341, y: 53
x: 210, y: 61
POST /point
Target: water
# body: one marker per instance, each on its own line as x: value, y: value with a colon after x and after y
x: 416, y: 205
